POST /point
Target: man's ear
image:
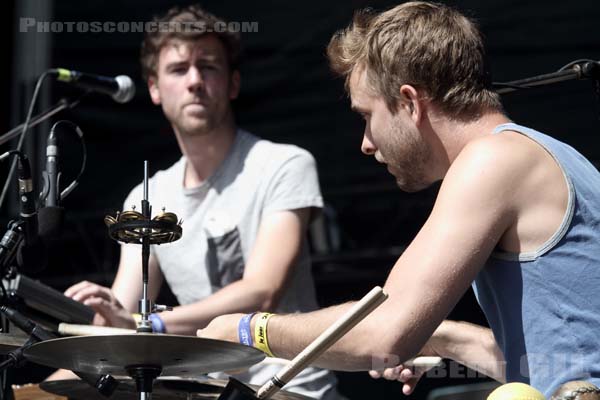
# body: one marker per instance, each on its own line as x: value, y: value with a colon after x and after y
x: 234, y: 86
x: 411, y: 102
x: 153, y: 90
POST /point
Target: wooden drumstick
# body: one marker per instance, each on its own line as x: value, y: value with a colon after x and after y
x: 65, y: 329
x: 426, y: 362
x: 332, y: 334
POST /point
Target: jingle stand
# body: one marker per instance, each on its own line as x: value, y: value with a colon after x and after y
x: 135, y: 227
x: 140, y: 228
x: 145, y: 305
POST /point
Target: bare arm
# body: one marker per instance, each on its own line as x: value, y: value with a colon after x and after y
x: 127, y: 285
x: 252, y: 292
x: 468, y: 344
x: 471, y: 345
x: 266, y: 274
x: 426, y: 282
x: 114, y: 306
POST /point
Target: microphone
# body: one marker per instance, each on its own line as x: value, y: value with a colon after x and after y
x: 52, y: 171
x: 31, y: 255
x: 121, y: 88
x: 105, y: 384
x: 51, y: 216
x: 28, y: 212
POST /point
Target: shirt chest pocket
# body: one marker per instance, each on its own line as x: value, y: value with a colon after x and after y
x: 224, y: 257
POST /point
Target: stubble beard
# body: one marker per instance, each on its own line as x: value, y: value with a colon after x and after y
x: 200, y: 126
x: 409, y: 156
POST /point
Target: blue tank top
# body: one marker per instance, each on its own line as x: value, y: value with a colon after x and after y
x: 544, y: 306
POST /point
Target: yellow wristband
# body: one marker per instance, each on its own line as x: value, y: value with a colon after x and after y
x: 260, y: 334
x: 137, y: 318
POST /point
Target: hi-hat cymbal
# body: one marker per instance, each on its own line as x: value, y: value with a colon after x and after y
x: 112, y: 354
x: 163, y: 389
x: 10, y: 342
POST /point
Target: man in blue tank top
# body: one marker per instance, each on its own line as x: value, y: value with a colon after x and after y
x: 516, y: 216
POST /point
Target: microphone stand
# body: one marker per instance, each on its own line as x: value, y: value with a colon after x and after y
x: 36, y: 334
x: 8, y: 251
x: 104, y: 384
x: 62, y: 104
x: 581, y: 70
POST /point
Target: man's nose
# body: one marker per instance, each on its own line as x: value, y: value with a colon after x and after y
x: 195, y: 80
x: 367, y: 147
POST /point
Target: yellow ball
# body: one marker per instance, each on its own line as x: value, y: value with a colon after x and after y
x: 516, y: 391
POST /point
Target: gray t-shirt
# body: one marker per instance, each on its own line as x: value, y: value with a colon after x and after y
x: 221, y: 220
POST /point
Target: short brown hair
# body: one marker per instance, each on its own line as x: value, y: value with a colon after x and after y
x: 428, y: 45
x: 187, y: 24
x: 576, y: 390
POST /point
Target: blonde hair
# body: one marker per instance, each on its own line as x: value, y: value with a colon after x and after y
x: 427, y: 45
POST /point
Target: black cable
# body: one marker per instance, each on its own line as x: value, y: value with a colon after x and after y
x: 62, y: 104
x: 79, y: 133
x: 497, y: 85
x: 13, y: 166
x: 5, y: 364
x: 4, y: 296
x: 4, y: 380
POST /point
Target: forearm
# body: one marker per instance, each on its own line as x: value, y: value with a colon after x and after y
x: 61, y: 374
x: 242, y: 296
x: 372, y: 340
x: 471, y: 345
x: 266, y: 274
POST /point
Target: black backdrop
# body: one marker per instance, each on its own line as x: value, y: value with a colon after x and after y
x: 289, y: 95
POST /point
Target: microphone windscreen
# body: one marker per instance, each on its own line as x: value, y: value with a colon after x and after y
x: 516, y: 391
x: 50, y: 222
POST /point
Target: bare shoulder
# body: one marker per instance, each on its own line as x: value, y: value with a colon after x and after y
x: 510, y: 158
x: 512, y: 176
x: 490, y: 167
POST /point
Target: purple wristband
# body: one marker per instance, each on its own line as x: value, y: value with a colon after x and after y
x: 158, y: 325
x: 244, y: 333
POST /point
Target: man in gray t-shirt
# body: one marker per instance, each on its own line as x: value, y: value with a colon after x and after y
x: 245, y: 203
x: 221, y: 221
